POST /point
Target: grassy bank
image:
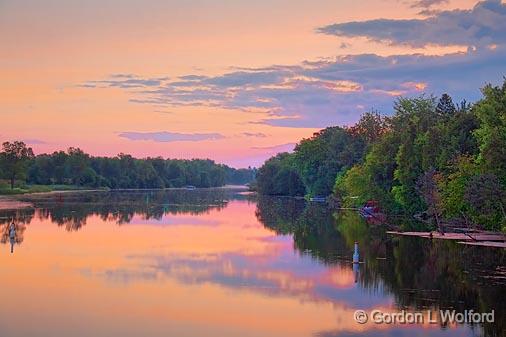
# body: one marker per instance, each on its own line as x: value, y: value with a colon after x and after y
x: 24, y: 189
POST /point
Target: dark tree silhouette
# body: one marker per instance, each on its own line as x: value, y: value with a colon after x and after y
x: 14, y: 160
x: 445, y: 106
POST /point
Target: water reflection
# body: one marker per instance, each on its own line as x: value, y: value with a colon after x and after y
x: 72, y: 209
x: 420, y: 274
x: 12, y: 232
x: 270, y: 257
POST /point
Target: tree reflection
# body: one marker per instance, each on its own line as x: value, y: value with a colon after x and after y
x: 71, y: 210
x: 12, y: 232
x: 419, y: 273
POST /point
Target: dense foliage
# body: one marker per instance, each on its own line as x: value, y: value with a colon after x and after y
x: 74, y: 167
x: 431, y: 158
x: 313, y: 166
x: 14, y: 160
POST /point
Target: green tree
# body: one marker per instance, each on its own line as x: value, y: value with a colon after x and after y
x: 371, y: 126
x: 457, y: 137
x: 278, y: 176
x: 15, y: 158
x: 320, y: 158
x: 428, y: 186
x: 445, y: 106
x: 486, y: 196
x: 491, y: 134
x: 354, y: 188
x: 454, y: 188
x: 77, y: 163
x: 414, y: 122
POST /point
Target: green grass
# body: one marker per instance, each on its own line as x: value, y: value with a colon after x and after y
x: 9, y: 191
x: 24, y: 189
x: 5, y: 189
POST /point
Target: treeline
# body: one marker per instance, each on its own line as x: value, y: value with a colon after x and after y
x: 431, y: 158
x: 313, y: 165
x: 77, y: 168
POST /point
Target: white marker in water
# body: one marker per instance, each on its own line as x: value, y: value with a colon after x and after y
x: 12, y: 236
x: 12, y: 231
x: 356, y: 256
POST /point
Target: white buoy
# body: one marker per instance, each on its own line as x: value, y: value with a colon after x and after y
x: 12, y: 236
x: 356, y: 255
x: 12, y: 231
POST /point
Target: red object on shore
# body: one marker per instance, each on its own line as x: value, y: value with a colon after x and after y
x: 372, y: 212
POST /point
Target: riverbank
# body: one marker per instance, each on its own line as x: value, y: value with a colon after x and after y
x: 24, y: 200
x: 13, y: 200
x: 31, y: 189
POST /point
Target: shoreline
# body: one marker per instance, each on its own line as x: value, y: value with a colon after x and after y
x: 10, y: 203
x: 481, y: 238
x: 13, y: 202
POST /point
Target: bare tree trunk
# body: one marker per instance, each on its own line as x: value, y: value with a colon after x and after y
x: 439, y: 227
x: 465, y: 219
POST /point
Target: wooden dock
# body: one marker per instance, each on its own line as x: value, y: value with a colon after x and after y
x: 488, y: 239
x: 485, y: 243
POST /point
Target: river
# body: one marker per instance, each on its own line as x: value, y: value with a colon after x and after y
x: 220, y: 262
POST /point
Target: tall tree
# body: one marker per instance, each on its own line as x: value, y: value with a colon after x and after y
x: 14, y: 160
x: 491, y: 134
x: 320, y: 158
x: 427, y: 186
x: 485, y: 194
x: 445, y: 106
x: 371, y: 126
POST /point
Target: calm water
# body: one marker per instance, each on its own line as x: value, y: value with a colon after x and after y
x: 220, y: 263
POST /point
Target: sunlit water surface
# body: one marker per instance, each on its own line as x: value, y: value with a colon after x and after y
x: 221, y: 263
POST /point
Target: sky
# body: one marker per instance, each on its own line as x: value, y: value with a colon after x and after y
x: 233, y: 81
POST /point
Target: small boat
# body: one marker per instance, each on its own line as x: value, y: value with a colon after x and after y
x: 372, y: 212
x: 190, y: 187
x: 318, y: 199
